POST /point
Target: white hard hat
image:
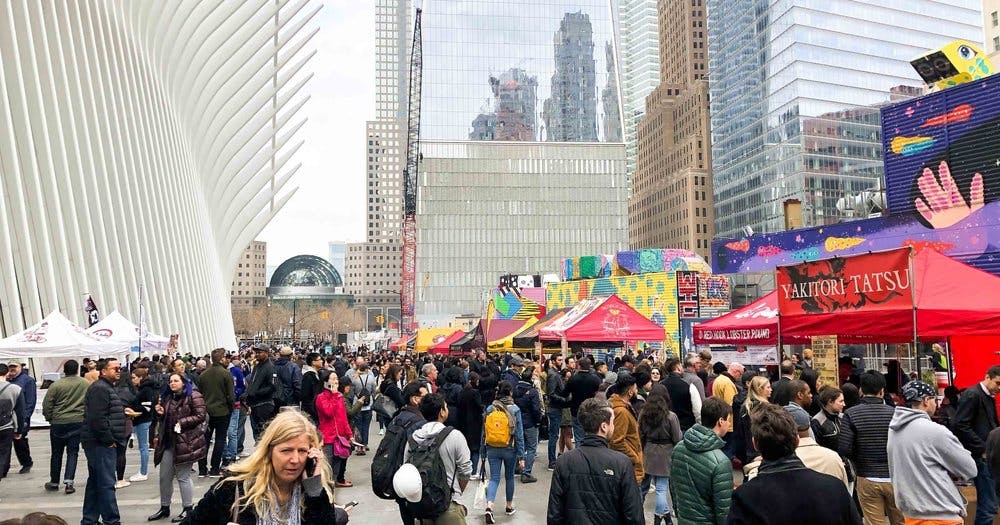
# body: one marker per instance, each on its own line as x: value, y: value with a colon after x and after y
x: 406, y: 482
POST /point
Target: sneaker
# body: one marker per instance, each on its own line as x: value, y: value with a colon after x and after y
x: 70, y: 489
x: 25, y: 469
x: 528, y: 478
x: 552, y: 466
x: 202, y: 473
x: 244, y: 454
x: 381, y: 431
x: 215, y: 473
x: 120, y: 484
x: 51, y: 487
x: 490, y: 520
x: 343, y: 484
x: 510, y: 511
x: 138, y: 477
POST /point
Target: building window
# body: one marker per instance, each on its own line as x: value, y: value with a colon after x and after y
x: 996, y: 43
x: 995, y: 21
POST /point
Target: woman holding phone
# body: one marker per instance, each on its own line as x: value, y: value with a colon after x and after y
x: 333, y: 426
x: 285, y: 480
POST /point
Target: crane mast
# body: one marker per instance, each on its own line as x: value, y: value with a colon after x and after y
x: 409, y: 269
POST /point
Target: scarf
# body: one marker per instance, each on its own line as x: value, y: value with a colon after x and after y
x: 292, y: 511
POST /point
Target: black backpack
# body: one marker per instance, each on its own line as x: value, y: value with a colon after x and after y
x: 435, y: 495
x: 388, y: 458
x: 6, y: 408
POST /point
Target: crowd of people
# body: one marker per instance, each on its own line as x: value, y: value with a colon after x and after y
x: 617, y: 431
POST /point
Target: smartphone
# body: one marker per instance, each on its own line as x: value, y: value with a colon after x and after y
x: 351, y: 505
x: 310, y: 466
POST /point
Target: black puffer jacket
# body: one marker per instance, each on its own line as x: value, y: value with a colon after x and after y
x: 217, y: 504
x: 144, y: 401
x: 103, y: 417
x: 594, y: 485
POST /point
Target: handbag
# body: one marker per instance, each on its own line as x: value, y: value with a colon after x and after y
x: 384, y: 406
x: 341, y: 446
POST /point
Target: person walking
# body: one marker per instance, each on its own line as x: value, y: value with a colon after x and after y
x: 142, y: 412
x: 864, y: 433
x: 787, y: 492
x: 63, y: 408
x: 924, y: 458
x: 582, y: 386
x: 592, y: 484
x: 180, y: 441
x: 701, y: 475
x: 659, y: 431
x: 470, y: 418
x: 503, y: 439
x: 975, y: 418
x: 18, y: 375
x: 333, y: 426
x: 312, y: 386
x: 218, y: 391
x: 235, y: 434
x: 528, y: 400
x: 555, y: 402
x: 11, y: 419
x: 625, y: 438
x: 364, y: 385
x: 261, y: 389
x: 103, y: 432
x: 290, y: 376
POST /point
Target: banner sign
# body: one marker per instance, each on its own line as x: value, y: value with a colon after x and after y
x: 747, y: 355
x: 868, y: 282
x: 687, y: 295
x: 825, y: 354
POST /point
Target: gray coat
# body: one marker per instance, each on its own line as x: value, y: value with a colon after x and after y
x: 658, y: 445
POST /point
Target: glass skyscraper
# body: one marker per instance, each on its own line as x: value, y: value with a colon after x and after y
x: 795, y: 87
x: 523, y: 159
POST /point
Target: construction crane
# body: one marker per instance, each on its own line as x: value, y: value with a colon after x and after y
x: 409, y: 277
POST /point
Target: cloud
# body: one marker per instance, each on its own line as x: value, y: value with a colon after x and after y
x: 329, y: 204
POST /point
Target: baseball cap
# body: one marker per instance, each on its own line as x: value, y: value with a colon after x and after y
x: 800, y: 416
x: 517, y: 361
x: 286, y: 351
x: 917, y: 391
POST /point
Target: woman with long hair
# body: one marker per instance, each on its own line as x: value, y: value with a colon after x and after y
x: 811, y: 378
x: 179, y: 442
x: 285, y: 481
x: 470, y: 417
x: 758, y: 392
x: 333, y: 426
x: 141, y: 410
x: 390, y: 385
x: 659, y: 430
x: 504, y: 456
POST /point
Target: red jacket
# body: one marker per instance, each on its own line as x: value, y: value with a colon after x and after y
x: 332, y: 416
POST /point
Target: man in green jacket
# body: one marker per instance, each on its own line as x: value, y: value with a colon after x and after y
x: 701, y: 476
x: 63, y: 409
x: 216, y: 385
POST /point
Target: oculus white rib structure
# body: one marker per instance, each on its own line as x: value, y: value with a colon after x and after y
x: 143, y: 142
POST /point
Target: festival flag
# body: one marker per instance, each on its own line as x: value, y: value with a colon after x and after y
x: 90, y: 308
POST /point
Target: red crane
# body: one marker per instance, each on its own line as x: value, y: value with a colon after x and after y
x: 409, y: 277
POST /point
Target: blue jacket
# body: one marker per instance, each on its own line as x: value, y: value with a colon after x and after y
x: 240, y: 381
x: 518, y: 444
x: 527, y: 399
x: 29, y: 397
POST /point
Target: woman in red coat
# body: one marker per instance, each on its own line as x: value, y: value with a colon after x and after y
x: 333, y: 426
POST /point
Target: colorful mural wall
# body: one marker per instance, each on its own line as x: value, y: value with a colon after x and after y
x: 942, y: 165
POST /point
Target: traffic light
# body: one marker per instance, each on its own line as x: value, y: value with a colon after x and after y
x: 324, y: 315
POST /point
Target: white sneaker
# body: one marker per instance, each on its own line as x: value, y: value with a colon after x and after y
x: 244, y: 454
x: 138, y: 477
x: 381, y: 432
x: 122, y: 484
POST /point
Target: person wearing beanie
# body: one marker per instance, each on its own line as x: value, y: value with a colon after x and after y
x: 924, y: 457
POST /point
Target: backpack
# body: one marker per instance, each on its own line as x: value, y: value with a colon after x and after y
x: 498, y: 426
x: 281, y: 394
x: 435, y: 495
x: 388, y: 458
x: 6, y: 408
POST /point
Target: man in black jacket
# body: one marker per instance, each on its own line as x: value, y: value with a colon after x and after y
x: 409, y: 419
x: 555, y: 402
x: 527, y: 399
x: 582, y: 386
x: 290, y: 376
x: 311, y: 386
x: 975, y: 418
x: 593, y: 484
x: 103, y: 432
x: 775, y: 496
x: 864, y: 434
x: 259, y: 396
x: 780, y: 394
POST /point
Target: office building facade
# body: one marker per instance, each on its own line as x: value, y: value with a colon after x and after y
x: 784, y: 74
x: 249, y: 286
x: 640, y: 51
x: 504, y: 188
x: 991, y: 30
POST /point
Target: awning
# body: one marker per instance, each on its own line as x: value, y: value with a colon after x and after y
x: 403, y: 342
x: 603, y: 319
x: 467, y: 342
x: 444, y: 345
x: 500, y: 332
x: 527, y: 337
x: 753, y: 324
x: 428, y: 337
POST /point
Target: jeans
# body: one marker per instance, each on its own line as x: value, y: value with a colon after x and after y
x: 241, y: 438
x: 986, y: 497
x: 99, y: 502
x: 662, y: 484
x: 6, y: 445
x: 64, y: 437
x: 364, y: 425
x: 474, y: 457
x: 577, y: 432
x: 730, y: 447
x: 23, y: 451
x: 233, y: 434
x: 555, y: 420
x: 338, y: 466
x: 507, y: 457
x: 219, y: 427
x: 530, y: 448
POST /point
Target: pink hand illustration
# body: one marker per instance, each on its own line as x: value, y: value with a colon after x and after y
x: 945, y: 205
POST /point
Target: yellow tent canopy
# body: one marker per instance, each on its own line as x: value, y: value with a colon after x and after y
x: 428, y: 337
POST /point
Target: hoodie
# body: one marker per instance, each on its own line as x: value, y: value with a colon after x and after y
x: 923, y: 457
x: 454, y: 453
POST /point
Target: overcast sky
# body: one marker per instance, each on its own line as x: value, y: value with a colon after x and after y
x: 329, y: 204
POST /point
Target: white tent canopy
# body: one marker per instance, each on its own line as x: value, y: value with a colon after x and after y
x: 57, y: 336
x: 115, y: 328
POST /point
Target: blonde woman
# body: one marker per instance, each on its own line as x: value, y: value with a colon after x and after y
x: 273, y: 485
x: 758, y: 392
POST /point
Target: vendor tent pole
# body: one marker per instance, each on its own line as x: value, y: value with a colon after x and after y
x: 913, y: 301
x: 564, y: 345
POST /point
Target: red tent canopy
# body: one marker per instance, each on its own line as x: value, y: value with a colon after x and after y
x: 602, y: 319
x: 869, y: 298
x: 753, y: 324
x: 444, y: 346
x: 401, y: 343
